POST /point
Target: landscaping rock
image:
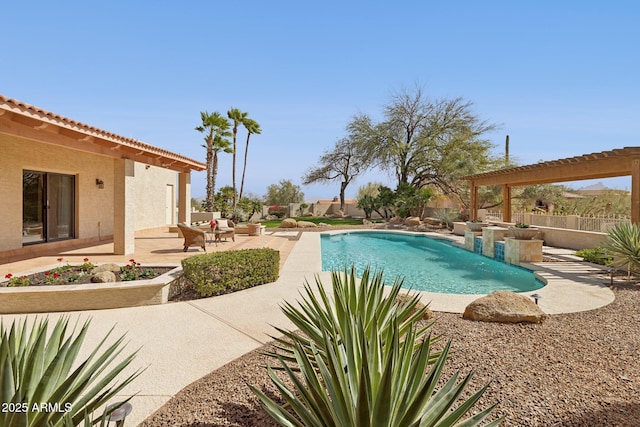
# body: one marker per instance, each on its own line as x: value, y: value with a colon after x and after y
x: 103, y: 277
x: 412, y: 221
x: 288, y: 223
x: 106, y: 267
x: 504, y: 307
x: 306, y: 224
x: 396, y: 220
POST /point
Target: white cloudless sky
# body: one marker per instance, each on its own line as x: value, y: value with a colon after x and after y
x: 560, y: 78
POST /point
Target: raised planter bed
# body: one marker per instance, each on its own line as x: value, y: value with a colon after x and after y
x: 90, y: 296
x: 523, y: 233
x: 476, y: 226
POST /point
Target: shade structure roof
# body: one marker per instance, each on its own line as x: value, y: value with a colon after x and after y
x: 33, y: 123
x: 606, y: 164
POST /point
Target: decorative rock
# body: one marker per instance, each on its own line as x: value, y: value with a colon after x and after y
x: 288, y: 223
x: 306, y: 224
x: 339, y: 214
x: 106, y: 267
x: 404, y: 298
x: 396, y: 220
x: 103, y: 277
x: 323, y: 224
x: 412, y: 221
x: 504, y: 307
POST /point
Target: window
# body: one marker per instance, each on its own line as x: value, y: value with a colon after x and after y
x: 48, y: 207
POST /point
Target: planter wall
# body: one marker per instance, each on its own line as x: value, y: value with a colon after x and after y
x: 89, y: 296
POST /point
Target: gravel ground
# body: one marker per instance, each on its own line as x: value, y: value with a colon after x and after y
x: 577, y: 369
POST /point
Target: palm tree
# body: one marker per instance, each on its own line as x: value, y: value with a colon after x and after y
x: 238, y: 117
x: 216, y: 128
x: 252, y: 127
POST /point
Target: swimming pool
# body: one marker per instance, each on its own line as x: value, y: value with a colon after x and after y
x: 426, y: 264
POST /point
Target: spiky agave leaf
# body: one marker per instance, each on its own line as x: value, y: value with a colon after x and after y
x: 623, y: 242
x: 364, y: 300
x: 36, y: 367
x: 372, y: 369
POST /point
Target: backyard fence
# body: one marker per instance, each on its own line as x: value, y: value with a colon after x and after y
x: 573, y: 222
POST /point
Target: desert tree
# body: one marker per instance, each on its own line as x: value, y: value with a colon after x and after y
x: 342, y: 163
x: 283, y: 193
x: 426, y: 141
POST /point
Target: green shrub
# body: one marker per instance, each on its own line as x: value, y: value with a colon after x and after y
x: 596, y: 255
x: 225, y: 272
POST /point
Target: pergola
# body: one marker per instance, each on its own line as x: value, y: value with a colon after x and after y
x: 607, y: 164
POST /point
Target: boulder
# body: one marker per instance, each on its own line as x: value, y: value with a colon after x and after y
x: 412, y: 221
x: 404, y: 298
x: 504, y: 307
x: 103, y: 277
x: 396, y: 220
x: 106, y: 267
x: 306, y: 224
x: 288, y: 223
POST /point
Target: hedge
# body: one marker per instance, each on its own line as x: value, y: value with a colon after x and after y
x: 225, y: 272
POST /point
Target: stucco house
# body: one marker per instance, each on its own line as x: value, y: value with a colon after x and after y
x: 66, y: 184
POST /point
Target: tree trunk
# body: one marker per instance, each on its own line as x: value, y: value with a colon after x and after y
x: 235, y: 132
x: 244, y: 169
x: 343, y: 187
x: 210, y: 176
x: 213, y: 181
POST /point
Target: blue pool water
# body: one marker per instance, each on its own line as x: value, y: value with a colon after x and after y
x: 426, y: 264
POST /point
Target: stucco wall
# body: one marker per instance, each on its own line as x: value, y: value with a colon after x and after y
x: 151, y: 204
x: 94, y: 205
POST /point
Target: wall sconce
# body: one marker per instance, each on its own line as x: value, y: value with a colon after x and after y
x: 147, y: 166
x: 100, y: 183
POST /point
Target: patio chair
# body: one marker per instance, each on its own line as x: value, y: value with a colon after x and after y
x: 193, y: 237
x: 224, y: 228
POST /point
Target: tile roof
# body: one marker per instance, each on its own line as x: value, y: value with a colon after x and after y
x: 137, y: 150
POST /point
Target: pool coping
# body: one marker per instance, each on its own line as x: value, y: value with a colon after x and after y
x: 571, y: 286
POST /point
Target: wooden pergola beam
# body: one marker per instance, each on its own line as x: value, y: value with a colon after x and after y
x: 607, y: 164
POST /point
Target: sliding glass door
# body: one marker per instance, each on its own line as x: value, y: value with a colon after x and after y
x: 48, y: 207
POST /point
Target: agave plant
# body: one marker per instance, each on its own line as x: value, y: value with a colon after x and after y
x: 363, y: 361
x: 623, y: 242
x: 38, y: 368
x: 366, y: 303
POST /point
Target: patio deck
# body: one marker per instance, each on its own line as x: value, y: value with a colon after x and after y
x: 151, y: 247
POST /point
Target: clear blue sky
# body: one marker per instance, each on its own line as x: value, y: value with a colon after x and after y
x: 561, y: 78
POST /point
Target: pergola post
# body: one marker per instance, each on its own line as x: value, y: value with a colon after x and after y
x: 506, y: 203
x: 473, y: 208
x: 635, y: 191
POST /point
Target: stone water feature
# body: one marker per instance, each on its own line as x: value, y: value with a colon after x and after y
x: 498, y: 243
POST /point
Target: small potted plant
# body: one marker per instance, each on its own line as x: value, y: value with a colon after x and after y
x: 476, y: 225
x: 522, y: 231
